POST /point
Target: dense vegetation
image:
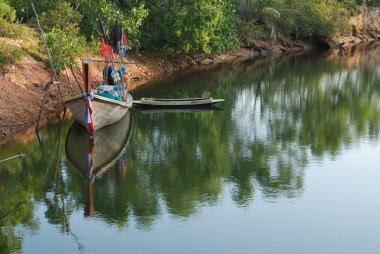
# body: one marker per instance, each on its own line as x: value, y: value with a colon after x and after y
x: 178, y: 25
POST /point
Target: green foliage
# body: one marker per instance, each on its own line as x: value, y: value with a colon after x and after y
x: 131, y: 16
x: 9, y: 26
x: 180, y: 25
x: 314, y: 19
x: 190, y: 26
x: 60, y: 16
x: 24, y: 7
x: 9, y: 54
x: 65, y: 46
x: 249, y: 30
x: 351, y: 6
x: 302, y: 19
x: 14, y: 30
x: 6, y: 11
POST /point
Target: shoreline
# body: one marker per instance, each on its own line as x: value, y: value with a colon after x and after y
x: 23, y: 85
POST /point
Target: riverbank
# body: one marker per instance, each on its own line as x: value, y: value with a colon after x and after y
x: 22, y: 86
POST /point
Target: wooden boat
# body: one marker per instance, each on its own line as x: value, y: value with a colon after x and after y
x: 103, y: 151
x: 104, y: 111
x: 189, y: 102
x: 189, y: 110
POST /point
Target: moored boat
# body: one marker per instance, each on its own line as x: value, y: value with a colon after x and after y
x: 97, y: 108
x: 105, y: 104
x: 105, y: 111
x: 188, y: 102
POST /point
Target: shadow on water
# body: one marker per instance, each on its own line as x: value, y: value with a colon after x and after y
x: 279, y: 116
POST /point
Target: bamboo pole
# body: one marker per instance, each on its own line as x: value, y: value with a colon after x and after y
x: 69, y: 81
x: 76, y: 79
x: 55, y: 76
x: 107, y: 61
x: 9, y: 124
x: 21, y: 155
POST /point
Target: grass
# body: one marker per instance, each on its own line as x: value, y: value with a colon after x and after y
x: 14, y: 30
x: 9, y: 54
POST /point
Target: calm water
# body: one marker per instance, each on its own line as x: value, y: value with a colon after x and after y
x: 288, y: 164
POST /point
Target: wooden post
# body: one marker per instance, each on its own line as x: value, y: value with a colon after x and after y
x: 87, y: 73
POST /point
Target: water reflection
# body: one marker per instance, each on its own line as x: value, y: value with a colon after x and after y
x: 94, y: 157
x: 91, y: 156
x: 280, y: 115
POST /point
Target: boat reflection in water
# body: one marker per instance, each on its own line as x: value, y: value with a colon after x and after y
x: 94, y: 157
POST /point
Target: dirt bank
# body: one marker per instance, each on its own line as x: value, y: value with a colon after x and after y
x: 363, y: 28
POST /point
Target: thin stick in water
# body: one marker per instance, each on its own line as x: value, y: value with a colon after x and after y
x: 21, y: 155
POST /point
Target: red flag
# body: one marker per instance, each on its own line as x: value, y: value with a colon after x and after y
x: 107, y: 51
x: 104, y: 48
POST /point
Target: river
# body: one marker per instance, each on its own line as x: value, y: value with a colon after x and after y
x: 287, y: 164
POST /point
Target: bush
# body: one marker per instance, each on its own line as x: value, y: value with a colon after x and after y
x: 6, y: 11
x: 251, y: 30
x: 65, y: 46
x: 61, y: 16
x: 9, y: 54
x: 300, y: 18
x: 9, y: 26
x: 183, y: 26
x: 131, y: 14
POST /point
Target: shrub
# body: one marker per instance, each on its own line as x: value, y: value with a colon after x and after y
x: 131, y: 14
x: 6, y: 11
x: 249, y: 30
x: 9, y: 54
x: 9, y: 26
x: 183, y: 26
x: 65, y: 46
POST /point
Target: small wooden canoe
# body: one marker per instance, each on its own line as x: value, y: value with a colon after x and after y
x: 190, y: 110
x: 189, y: 102
x: 103, y: 150
x: 105, y: 111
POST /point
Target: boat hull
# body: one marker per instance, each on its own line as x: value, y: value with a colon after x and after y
x: 105, y: 111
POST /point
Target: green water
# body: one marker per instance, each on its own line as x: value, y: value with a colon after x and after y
x: 288, y: 164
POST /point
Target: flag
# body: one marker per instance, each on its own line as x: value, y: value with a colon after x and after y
x: 116, y: 36
x: 110, y: 55
x: 104, y: 48
x: 89, y: 121
x: 107, y: 51
x: 101, y: 30
x: 123, y: 44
